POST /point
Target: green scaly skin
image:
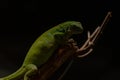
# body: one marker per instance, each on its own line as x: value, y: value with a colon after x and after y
x: 43, y: 48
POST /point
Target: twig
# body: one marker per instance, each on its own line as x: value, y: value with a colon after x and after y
x: 93, y: 37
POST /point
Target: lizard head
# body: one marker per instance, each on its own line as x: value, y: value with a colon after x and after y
x: 73, y: 27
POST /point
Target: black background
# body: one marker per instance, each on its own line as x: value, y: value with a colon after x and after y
x: 21, y: 22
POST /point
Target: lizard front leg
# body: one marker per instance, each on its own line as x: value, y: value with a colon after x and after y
x: 32, y: 69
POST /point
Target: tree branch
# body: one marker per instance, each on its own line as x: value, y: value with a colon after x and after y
x: 65, y: 52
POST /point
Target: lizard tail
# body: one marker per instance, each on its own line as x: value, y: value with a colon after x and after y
x: 16, y: 75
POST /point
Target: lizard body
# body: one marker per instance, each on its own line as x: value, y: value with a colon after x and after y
x: 43, y: 48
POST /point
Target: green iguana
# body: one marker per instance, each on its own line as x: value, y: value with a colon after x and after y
x: 44, y: 47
